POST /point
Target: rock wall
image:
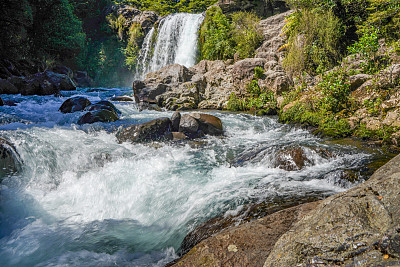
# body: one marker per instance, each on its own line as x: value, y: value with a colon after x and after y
x: 359, y: 227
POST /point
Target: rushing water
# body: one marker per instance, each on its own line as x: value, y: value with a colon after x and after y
x: 174, y: 41
x: 83, y: 199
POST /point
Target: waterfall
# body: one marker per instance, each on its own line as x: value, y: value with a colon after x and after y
x: 176, y: 42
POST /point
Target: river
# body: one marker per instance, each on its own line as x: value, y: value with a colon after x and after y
x: 83, y: 199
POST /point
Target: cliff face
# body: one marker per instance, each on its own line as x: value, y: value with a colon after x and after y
x: 359, y: 227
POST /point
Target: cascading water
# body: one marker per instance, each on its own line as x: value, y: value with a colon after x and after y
x: 176, y: 42
x: 83, y: 199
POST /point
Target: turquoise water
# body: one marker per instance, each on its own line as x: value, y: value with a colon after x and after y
x: 83, y: 199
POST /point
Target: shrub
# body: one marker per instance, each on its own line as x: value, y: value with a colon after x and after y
x: 313, y: 42
x: 216, y: 36
x: 335, y: 91
x: 246, y: 34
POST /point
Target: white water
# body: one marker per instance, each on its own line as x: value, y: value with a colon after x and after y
x: 83, y: 199
x: 176, y: 42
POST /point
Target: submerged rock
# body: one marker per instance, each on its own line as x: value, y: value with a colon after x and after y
x: 74, y: 104
x: 10, y: 161
x: 154, y: 130
x: 122, y: 99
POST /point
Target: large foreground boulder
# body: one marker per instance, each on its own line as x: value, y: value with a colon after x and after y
x: 359, y: 227
x: 248, y: 244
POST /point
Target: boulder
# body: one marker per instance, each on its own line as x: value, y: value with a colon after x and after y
x: 188, y: 125
x: 292, y: 159
x: 104, y: 104
x: 42, y: 83
x: 10, y: 161
x: 74, y: 104
x: 359, y: 226
x: 100, y: 115
x: 245, y: 245
x: 154, y: 130
x: 63, y: 70
x: 175, y: 119
x: 209, y: 124
x: 171, y: 74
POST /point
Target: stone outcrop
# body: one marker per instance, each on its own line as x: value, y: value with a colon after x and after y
x: 359, y: 227
x: 209, y: 84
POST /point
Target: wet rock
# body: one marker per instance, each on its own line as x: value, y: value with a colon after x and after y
x: 348, y: 227
x: 292, y: 159
x: 10, y: 161
x: 188, y: 124
x: 249, y: 213
x: 122, y: 99
x: 176, y: 136
x: 1, y: 102
x: 209, y: 124
x: 154, y: 130
x: 246, y: 245
x: 74, y: 104
x: 175, y: 119
x: 103, y: 105
x: 100, y: 115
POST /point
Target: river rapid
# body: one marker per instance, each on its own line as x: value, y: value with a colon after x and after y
x: 83, y: 199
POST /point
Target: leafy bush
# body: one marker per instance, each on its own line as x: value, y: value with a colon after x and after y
x: 335, y: 90
x: 246, y: 34
x: 258, y: 72
x: 221, y: 38
x: 313, y: 42
x: 216, y: 36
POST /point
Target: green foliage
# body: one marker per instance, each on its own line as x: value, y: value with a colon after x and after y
x: 56, y: 31
x: 385, y: 16
x: 335, y: 91
x: 325, y: 124
x: 245, y: 33
x: 221, y: 38
x: 216, y: 36
x: 165, y: 7
x: 313, y: 42
x: 16, y: 19
x: 256, y: 99
x: 258, y: 72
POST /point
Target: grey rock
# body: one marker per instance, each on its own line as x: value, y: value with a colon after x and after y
x: 74, y: 104
x: 154, y: 130
x: 175, y: 119
x: 188, y: 124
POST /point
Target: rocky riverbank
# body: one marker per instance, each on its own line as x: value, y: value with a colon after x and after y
x: 356, y: 227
